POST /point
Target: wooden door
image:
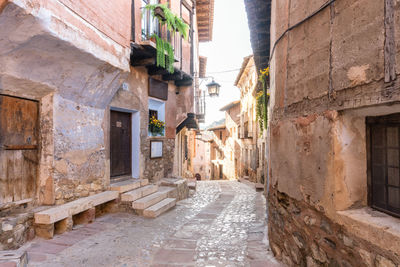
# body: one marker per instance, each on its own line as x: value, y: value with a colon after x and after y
x: 120, y: 144
x: 18, y: 148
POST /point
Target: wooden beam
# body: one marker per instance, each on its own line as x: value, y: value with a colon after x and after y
x: 184, y: 82
x: 153, y: 70
x: 143, y: 62
x: 390, y: 42
x: 20, y: 147
x: 177, y: 75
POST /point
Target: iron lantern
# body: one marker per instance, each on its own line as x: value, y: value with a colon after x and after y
x: 213, y: 88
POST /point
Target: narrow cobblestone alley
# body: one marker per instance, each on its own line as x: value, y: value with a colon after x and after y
x: 222, y: 224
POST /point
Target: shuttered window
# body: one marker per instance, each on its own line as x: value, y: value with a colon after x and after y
x: 384, y: 163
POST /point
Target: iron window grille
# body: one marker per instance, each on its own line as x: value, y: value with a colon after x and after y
x: 383, y: 139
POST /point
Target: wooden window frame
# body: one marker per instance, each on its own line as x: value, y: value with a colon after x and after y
x: 371, y: 122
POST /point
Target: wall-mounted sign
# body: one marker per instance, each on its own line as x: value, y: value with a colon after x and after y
x: 158, y: 89
x: 156, y: 149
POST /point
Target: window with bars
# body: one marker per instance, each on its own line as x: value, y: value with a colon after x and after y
x: 384, y: 163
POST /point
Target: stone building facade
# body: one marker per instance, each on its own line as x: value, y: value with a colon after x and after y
x: 333, y: 171
x: 73, y: 66
x: 232, y: 145
x: 252, y: 137
x: 224, y: 153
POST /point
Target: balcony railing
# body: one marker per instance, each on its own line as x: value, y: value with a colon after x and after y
x: 200, y: 105
x: 151, y: 26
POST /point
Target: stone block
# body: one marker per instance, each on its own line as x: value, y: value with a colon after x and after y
x: 111, y: 206
x: 318, y: 253
x: 85, y: 217
x: 311, y: 262
x: 44, y: 230
x: 366, y: 257
x: 383, y: 262
x: 159, y: 208
x: 16, y: 258
x: 148, y: 201
x: 63, y: 226
x: 63, y: 211
x: 139, y: 193
x: 126, y: 186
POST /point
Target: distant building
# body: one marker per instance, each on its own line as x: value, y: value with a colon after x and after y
x: 252, y: 137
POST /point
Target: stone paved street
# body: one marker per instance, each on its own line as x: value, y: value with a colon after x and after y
x: 222, y: 224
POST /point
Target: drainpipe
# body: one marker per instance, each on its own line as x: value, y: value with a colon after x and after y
x: 192, y: 39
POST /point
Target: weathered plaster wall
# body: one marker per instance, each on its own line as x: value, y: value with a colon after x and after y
x: 232, y: 143
x: 73, y: 69
x: 46, y: 163
x: 96, y: 28
x: 80, y: 165
x: 327, y: 75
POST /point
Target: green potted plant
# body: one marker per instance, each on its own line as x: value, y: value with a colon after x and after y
x: 174, y: 24
x: 156, y: 127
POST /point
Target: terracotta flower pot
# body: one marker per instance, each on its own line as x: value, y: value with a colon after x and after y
x: 159, y: 12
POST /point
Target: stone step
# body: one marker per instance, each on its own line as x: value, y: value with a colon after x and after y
x: 144, y: 182
x: 167, y: 189
x: 16, y: 258
x: 192, y: 185
x: 159, y: 208
x: 259, y: 187
x: 128, y: 185
x: 60, y: 212
x: 149, y: 200
x: 139, y: 193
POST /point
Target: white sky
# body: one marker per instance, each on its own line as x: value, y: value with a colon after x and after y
x: 231, y: 43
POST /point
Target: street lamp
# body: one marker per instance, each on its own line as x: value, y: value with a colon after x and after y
x: 213, y: 88
x: 200, y: 97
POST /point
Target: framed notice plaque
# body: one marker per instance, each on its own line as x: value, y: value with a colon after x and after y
x: 156, y: 149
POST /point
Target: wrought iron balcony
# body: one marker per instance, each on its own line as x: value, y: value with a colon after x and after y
x: 144, y: 51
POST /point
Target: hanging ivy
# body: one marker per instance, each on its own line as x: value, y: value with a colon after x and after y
x: 164, y: 47
x: 262, y: 99
x: 174, y: 24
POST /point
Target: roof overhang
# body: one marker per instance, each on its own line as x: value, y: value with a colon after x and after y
x: 216, y: 128
x: 259, y: 20
x: 202, y: 67
x: 190, y: 123
x: 205, y: 19
x: 230, y: 105
x: 245, y: 65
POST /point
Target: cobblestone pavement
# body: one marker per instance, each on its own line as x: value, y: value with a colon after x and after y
x: 222, y: 224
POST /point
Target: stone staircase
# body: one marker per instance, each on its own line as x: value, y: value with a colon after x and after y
x: 146, y: 199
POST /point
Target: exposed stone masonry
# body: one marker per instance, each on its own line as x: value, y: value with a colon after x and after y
x: 16, y: 228
x: 156, y: 169
x: 301, y: 235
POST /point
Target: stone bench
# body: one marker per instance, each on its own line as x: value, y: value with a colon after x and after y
x: 60, y: 218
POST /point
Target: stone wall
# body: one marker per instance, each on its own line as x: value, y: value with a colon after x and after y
x: 156, y: 169
x: 301, y: 235
x: 16, y: 227
x: 80, y: 166
x: 323, y: 86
